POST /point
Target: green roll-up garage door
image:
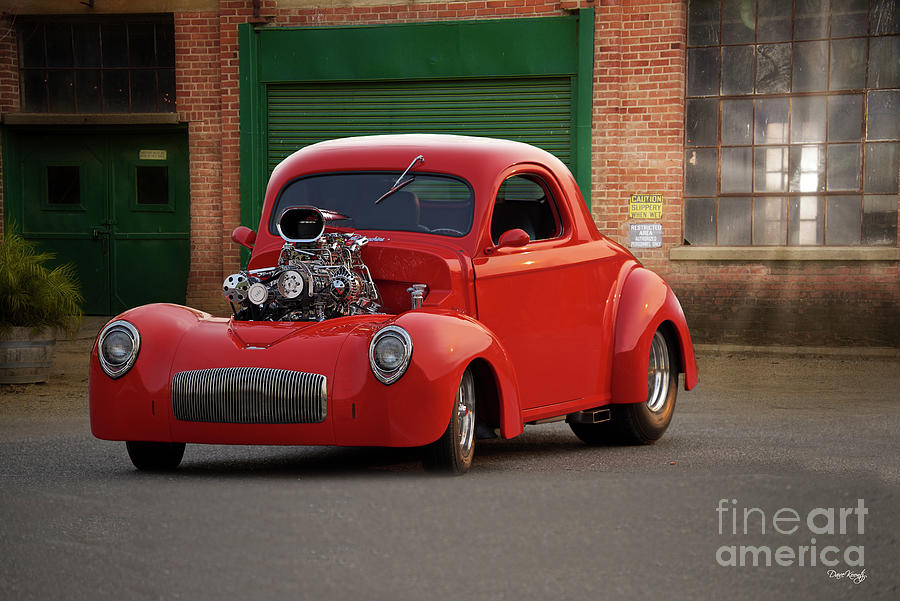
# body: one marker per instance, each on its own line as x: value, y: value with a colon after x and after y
x: 526, y: 79
x: 536, y: 110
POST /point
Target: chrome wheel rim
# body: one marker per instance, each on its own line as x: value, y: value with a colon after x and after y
x: 659, y: 374
x: 465, y: 414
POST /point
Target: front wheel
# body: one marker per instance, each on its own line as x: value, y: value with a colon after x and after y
x: 642, y: 423
x: 453, y: 451
x: 155, y: 456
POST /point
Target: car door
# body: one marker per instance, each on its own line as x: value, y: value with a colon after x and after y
x: 544, y: 300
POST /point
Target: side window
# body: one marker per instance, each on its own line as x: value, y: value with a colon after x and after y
x: 524, y: 202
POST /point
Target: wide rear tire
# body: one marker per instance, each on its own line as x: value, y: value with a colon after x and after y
x: 641, y: 423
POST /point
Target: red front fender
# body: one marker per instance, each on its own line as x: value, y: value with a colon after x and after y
x: 646, y: 303
x: 416, y: 409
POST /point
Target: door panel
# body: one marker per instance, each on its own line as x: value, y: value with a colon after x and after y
x: 151, y: 220
x: 62, y: 208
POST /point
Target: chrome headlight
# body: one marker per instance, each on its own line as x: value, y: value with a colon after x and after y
x: 389, y: 353
x: 118, y: 348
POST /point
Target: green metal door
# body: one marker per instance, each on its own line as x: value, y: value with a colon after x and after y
x: 116, y: 205
x: 57, y: 196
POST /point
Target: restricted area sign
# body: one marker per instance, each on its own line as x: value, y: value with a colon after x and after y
x: 645, y: 206
x: 645, y: 235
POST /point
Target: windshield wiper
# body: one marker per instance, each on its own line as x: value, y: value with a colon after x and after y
x: 400, y: 183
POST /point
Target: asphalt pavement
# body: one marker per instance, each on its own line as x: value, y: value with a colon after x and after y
x: 800, y: 450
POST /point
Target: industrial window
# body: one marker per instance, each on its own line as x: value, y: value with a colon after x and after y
x: 105, y: 65
x: 792, y: 122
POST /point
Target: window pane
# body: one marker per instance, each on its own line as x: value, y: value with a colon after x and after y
x: 114, y: 45
x: 771, y: 121
x: 806, y: 225
x: 881, y: 168
x: 59, y: 45
x: 703, y: 22
x: 880, y: 220
x: 769, y: 221
x: 737, y: 70
x: 884, y: 62
x: 773, y: 68
x: 810, y: 19
x: 883, y: 120
x: 700, y: 171
x: 734, y: 221
x: 843, y: 221
x: 845, y: 118
x: 61, y: 90
x: 808, y: 119
x: 885, y: 17
x: 63, y: 185
x: 774, y: 21
x: 810, y: 66
x: 87, y: 91
x: 141, y: 40
x: 115, y: 91
x: 700, y: 122
x: 87, y: 44
x: 152, y: 185
x: 808, y: 168
x: 849, y: 17
x: 844, y: 166
x: 736, y: 170
x: 848, y: 64
x: 34, y: 90
x: 166, y: 80
x: 165, y: 46
x: 737, y: 121
x: 770, y: 169
x: 699, y: 221
x: 703, y: 71
x: 31, y: 37
x: 739, y: 22
x: 143, y: 91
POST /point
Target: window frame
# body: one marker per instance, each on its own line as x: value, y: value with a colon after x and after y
x: 715, y: 47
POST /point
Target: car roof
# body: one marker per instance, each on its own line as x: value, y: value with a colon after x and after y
x: 466, y: 156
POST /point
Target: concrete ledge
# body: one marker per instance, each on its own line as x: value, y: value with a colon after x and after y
x: 90, y: 118
x: 784, y: 253
x: 849, y: 352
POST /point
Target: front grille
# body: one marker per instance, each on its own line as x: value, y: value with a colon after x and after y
x: 249, y: 395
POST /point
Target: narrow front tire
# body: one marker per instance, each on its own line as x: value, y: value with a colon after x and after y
x: 155, y: 456
x: 453, y: 451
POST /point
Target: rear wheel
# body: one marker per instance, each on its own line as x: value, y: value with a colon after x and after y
x: 642, y: 423
x: 155, y: 456
x: 453, y: 451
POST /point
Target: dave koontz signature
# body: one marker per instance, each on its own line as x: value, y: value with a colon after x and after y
x: 854, y: 577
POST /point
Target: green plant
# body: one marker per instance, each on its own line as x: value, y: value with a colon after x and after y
x: 31, y: 294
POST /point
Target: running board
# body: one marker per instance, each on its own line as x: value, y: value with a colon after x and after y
x: 590, y: 416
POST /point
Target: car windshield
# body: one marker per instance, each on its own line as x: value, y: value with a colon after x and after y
x: 436, y: 204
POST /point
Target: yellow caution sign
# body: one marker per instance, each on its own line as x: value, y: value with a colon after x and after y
x: 645, y: 206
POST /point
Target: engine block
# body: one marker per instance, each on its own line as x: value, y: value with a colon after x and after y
x: 318, y: 276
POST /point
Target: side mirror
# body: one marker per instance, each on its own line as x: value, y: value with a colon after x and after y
x: 513, y: 238
x: 244, y: 236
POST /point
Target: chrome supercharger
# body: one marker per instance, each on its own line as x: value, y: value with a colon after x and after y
x: 320, y: 275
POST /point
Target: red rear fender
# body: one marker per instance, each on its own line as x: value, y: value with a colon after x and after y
x: 646, y: 303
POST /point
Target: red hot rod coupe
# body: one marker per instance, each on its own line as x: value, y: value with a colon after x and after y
x: 404, y: 291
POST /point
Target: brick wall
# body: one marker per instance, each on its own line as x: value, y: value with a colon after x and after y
x: 9, y: 84
x: 638, y: 137
x: 638, y: 132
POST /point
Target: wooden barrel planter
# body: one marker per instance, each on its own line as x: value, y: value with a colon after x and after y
x: 24, y: 358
